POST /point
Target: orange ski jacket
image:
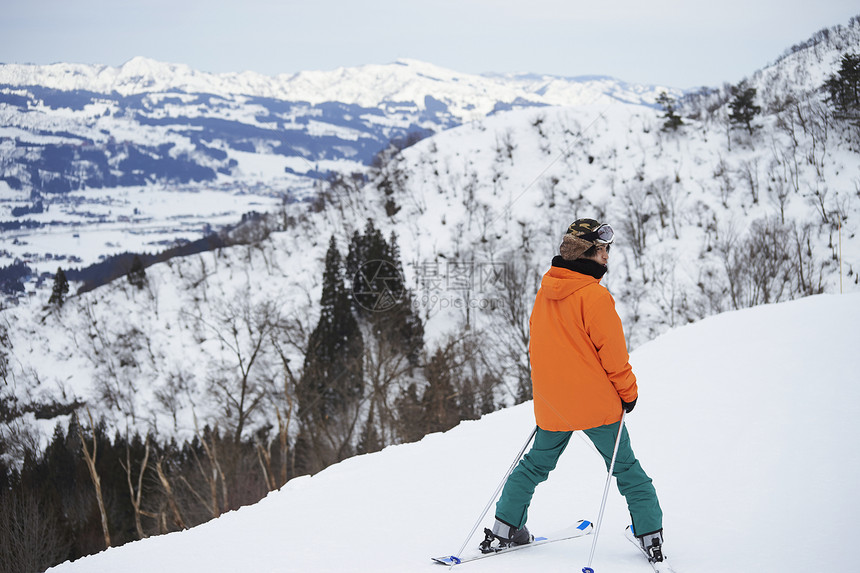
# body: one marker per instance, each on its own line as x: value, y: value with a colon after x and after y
x: 580, y: 366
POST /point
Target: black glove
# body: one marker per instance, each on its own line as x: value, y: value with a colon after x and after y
x: 628, y: 406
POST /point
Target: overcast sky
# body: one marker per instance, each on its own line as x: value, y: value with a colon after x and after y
x: 668, y: 42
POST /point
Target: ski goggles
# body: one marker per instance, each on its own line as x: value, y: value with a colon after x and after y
x: 602, y: 235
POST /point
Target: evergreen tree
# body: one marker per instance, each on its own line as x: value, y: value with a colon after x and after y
x: 380, y: 293
x: 377, y: 282
x: 743, y: 107
x: 304, y: 458
x: 487, y: 402
x: 370, y: 441
x: 137, y: 273
x: 669, y: 105
x: 332, y: 381
x: 411, y: 415
x: 5, y: 345
x: 844, y: 86
x: 61, y: 288
x: 466, y: 399
x: 332, y: 376
x: 440, y: 398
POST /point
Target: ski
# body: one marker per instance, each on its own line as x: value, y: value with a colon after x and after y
x: 658, y: 566
x: 582, y: 528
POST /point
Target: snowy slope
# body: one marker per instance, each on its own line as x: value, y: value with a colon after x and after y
x: 741, y: 423
x: 684, y: 197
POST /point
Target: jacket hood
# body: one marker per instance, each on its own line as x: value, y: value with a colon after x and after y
x: 559, y: 283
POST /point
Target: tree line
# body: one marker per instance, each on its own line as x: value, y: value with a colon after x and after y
x: 366, y: 381
x: 89, y: 490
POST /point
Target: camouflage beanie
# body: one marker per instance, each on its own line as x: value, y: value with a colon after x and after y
x: 572, y: 247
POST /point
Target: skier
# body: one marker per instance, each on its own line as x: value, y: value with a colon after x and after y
x: 581, y: 380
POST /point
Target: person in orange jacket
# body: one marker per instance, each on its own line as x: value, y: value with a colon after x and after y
x: 581, y: 380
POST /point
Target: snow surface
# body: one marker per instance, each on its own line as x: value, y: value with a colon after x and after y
x: 744, y: 422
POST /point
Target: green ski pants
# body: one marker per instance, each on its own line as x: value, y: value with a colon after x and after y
x: 633, y: 483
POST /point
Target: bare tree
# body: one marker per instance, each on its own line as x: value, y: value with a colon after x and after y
x: 818, y: 199
x: 211, y: 475
x: 507, y: 355
x: 749, y: 173
x: 672, y: 298
x: 778, y: 188
x: 723, y: 176
x: 264, y: 451
x: 295, y: 335
x: 245, y: 330
x: 808, y: 271
x: 759, y: 266
x: 505, y: 147
x: 90, y: 456
x: 30, y: 539
x: 712, y: 292
x: 113, y: 355
x: 636, y: 218
x: 167, y: 488
x: 264, y: 456
x: 667, y: 196
x: 385, y: 367
x: 136, y: 493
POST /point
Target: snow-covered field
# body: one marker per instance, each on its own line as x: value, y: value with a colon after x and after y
x: 95, y: 223
x: 745, y: 422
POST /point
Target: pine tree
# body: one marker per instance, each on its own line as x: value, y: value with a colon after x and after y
x: 669, y: 105
x: 377, y: 281
x: 370, y: 441
x: 61, y: 288
x: 378, y: 288
x: 332, y: 381
x: 411, y: 415
x: 137, y: 274
x: 844, y: 86
x: 743, y: 107
x: 333, y: 373
x: 5, y: 345
x: 440, y: 398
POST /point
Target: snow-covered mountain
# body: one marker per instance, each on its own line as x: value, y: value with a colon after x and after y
x: 710, y: 217
x: 89, y: 152
x: 311, y: 120
x: 740, y: 423
x: 403, y: 81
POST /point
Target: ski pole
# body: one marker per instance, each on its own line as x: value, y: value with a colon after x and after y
x: 587, y: 568
x: 495, y: 495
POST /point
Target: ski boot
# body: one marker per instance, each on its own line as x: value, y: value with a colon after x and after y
x: 652, y: 544
x: 507, y: 536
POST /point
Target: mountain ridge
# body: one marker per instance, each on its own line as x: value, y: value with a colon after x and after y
x: 366, y: 85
